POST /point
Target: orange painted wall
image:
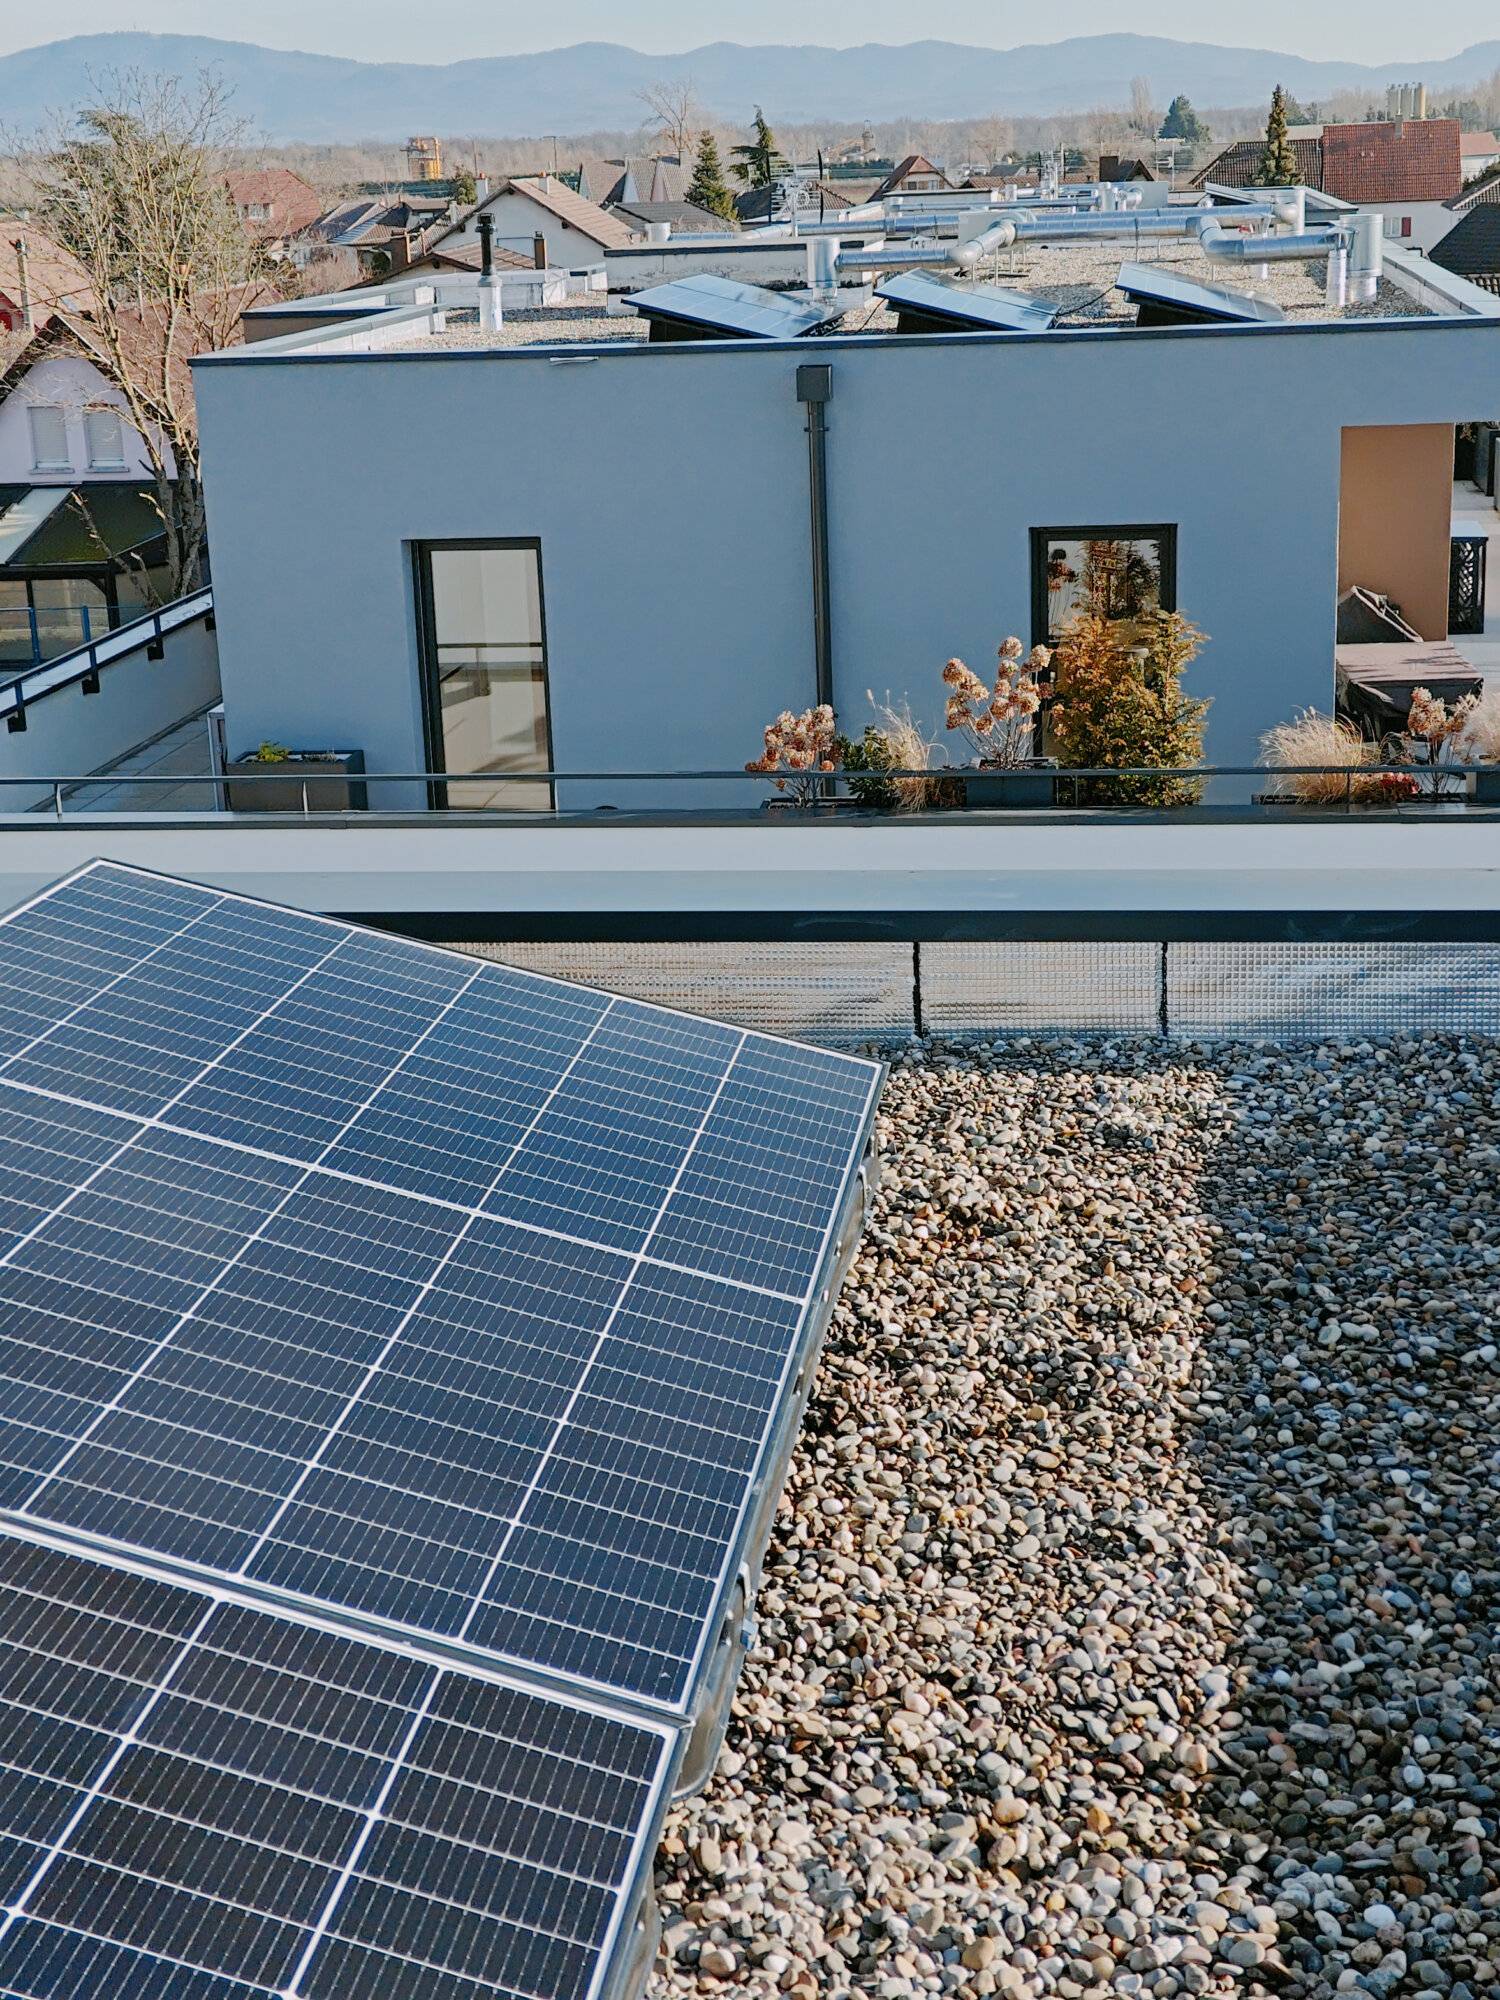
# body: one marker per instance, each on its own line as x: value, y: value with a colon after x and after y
x: 1396, y: 518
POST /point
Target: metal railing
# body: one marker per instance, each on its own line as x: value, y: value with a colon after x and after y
x: 82, y: 666
x: 434, y: 793
x: 26, y: 634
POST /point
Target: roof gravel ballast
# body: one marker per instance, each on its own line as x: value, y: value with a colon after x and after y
x: 400, y: 1356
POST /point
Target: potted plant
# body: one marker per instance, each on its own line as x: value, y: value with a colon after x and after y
x: 276, y: 779
x: 801, y: 753
x: 999, y: 725
x: 1326, y: 746
x: 895, y: 744
x: 1478, y: 742
x: 1432, y: 733
x: 1116, y: 705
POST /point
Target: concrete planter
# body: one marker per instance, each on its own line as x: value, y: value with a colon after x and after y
x: 1485, y: 786
x: 1023, y: 788
x: 327, y: 779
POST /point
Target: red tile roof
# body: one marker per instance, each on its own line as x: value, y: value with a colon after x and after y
x: 1386, y: 160
x: 1411, y: 159
x: 291, y: 204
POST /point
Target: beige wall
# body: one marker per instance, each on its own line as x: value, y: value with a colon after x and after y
x: 1396, y: 518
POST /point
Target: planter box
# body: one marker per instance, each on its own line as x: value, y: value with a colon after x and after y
x: 1027, y: 788
x: 1486, y: 786
x: 329, y: 779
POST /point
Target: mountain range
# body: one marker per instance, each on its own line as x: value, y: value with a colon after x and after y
x: 591, y: 86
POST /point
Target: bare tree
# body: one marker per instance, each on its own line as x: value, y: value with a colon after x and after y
x: 675, y: 112
x: 1145, y: 118
x: 134, y: 188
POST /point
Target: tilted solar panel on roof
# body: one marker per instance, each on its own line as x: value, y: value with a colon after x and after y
x: 204, y: 1801
x: 429, y: 1289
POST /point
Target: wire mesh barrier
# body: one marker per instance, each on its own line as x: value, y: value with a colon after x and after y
x: 890, y: 992
x: 828, y: 992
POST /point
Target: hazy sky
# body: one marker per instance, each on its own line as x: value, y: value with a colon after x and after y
x: 442, y: 30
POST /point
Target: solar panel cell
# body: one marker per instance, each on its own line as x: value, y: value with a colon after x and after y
x: 607, y: 1149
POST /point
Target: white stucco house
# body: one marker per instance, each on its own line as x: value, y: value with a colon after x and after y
x: 79, y: 529
x: 575, y: 231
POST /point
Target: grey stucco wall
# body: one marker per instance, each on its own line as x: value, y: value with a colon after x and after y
x: 668, y: 487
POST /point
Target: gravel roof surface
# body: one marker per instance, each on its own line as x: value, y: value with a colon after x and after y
x: 1078, y: 277
x: 1128, y: 1626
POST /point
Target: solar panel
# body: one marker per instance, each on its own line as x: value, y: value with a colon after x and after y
x: 711, y: 308
x: 400, y: 1281
x: 200, y: 1800
x: 1167, y: 299
x: 925, y: 299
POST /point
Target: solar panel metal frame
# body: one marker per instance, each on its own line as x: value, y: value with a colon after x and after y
x: 1217, y: 304
x: 753, y: 1520
x: 619, y: 1964
x: 725, y: 308
x: 971, y: 308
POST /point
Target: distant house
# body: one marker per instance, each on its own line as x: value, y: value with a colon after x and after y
x: 763, y: 203
x: 383, y: 232
x: 914, y: 175
x: 275, y: 205
x: 683, y: 218
x: 1121, y: 167
x: 37, y: 278
x: 1481, y: 152
x: 1406, y: 170
x: 1471, y: 249
x: 617, y: 183
x: 79, y: 529
x: 575, y: 231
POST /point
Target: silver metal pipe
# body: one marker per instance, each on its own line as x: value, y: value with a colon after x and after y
x: 1227, y: 246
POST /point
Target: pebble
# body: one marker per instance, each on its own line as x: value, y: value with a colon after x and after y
x: 1128, y: 1621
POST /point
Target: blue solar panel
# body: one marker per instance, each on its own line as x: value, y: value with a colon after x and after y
x: 204, y: 1801
x: 427, y: 1289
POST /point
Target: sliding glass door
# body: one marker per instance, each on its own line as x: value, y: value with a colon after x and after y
x: 484, y: 657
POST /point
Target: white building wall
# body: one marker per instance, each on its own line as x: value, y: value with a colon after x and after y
x: 1430, y: 221
x: 669, y: 489
x: 74, y: 384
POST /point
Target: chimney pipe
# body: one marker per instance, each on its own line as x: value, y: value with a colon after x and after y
x: 23, y: 275
x: 490, y: 315
x: 539, y: 251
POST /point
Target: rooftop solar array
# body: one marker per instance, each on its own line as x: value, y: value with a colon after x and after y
x: 926, y: 297
x: 710, y: 308
x: 406, y: 1282
x: 393, y: 1349
x: 202, y: 1801
x: 1165, y: 299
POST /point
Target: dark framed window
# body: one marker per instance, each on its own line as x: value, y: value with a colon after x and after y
x: 483, y: 647
x: 1119, y: 572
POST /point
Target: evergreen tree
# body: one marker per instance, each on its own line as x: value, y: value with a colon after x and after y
x: 1278, y: 160
x: 1183, y: 122
x: 707, y: 188
x: 465, y: 187
x: 762, y: 161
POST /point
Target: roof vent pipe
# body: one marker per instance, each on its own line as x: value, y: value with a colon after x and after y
x: 823, y: 264
x: 658, y: 232
x: 1367, y: 257
x: 1338, y: 278
x: 491, y: 315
